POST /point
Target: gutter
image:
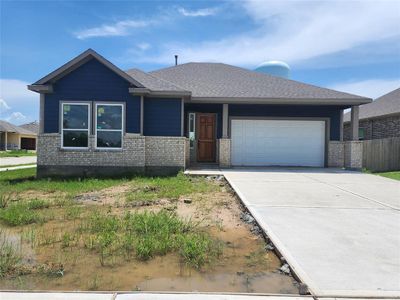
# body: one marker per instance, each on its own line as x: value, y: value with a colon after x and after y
x: 301, y: 101
x: 155, y: 93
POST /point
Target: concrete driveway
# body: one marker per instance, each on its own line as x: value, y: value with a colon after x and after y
x: 339, y: 230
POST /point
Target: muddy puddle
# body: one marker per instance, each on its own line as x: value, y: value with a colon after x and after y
x: 244, y: 265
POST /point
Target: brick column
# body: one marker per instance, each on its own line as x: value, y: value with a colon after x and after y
x: 353, y: 150
x: 353, y: 155
x: 224, y: 153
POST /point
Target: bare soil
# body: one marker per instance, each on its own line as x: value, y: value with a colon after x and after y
x: 245, y: 265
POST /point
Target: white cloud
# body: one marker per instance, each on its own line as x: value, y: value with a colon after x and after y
x: 143, y: 46
x: 17, y: 103
x: 203, y: 12
x: 294, y: 31
x: 17, y: 118
x: 372, y: 88
x: 14, y: 89
x: 120, y: 28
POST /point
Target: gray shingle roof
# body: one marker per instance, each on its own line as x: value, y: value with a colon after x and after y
x: 33, y: 126
x: 217, y: 80
x: 384, y: 105
x: 6, y: 126
x: 152, y: 82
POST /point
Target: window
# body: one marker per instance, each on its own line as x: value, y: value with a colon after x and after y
x: 109, y: 118
x: 361, y: 134
x: 75, y: 125
x: 192, y: 119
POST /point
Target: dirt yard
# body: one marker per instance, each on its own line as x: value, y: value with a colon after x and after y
x: 76, y: 239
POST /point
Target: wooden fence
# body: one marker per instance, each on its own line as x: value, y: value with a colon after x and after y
x: 382, y: 154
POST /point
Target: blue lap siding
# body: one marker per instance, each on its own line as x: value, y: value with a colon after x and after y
x: 162, y: 117
x: 291, y: 111
x: 92, y: 81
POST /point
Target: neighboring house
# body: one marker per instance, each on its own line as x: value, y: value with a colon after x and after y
x: 379, y: 119
x: 97, y: 119
x: 32, y: 126
x: 14, y: 137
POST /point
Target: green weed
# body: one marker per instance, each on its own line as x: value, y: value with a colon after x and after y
x: 19, y: 214
x: 149, y: 189
x: 197, y: 249
x: 38, y: 204
x: 9, y: 256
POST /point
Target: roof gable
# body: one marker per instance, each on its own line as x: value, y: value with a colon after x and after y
x: 80, y: 60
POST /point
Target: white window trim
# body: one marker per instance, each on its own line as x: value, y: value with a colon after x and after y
x: 75, y: 129
x: 115, y: 130
x: 194, y: 127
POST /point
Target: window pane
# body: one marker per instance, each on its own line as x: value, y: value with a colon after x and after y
x: 75, y: 138
x: 109, y: 139
x: 109, y: 117
x: 361, y: 133
x: 191, y: 123
x: 75, y: 116
x: 191, y: 139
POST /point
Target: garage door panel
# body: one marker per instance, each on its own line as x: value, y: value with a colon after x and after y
x: 278, y: 142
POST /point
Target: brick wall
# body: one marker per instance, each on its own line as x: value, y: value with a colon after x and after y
x: 161, y: 155
x: 165, y: 151
x: 377, y: 128
x: 353, y: 154
x: 50, y: 153
x: 347, y: 154
x: 336, y: 154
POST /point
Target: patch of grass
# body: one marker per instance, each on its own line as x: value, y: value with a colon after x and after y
x: 24, y: 180
x: 19, y: 213
x: 20, y: 165
x: 73, y: 212
x: 393, y: 175
x: 17, y: 153
x: 146, y: 235
x: 197, y: 249
x: 38, y: 204
x: 152, y: 188
x: 9, y: 256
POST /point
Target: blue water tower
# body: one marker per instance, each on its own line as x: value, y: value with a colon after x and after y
x: 275, y: 68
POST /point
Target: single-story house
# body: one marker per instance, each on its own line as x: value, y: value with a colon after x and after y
x: 31, y: 126
x: 14, y: 137
x: 379, y: 119
x: 97, y: 119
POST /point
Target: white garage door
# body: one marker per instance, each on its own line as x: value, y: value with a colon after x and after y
x: 278, y: 143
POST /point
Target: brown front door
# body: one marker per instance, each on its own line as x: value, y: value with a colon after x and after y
x: 206, y: 138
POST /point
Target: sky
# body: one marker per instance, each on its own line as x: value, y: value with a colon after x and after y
x: 351, y: 46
